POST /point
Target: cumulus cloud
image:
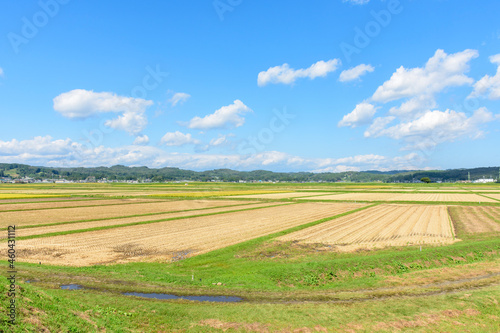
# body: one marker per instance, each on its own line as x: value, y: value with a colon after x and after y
x: 178, y: 139
x: 489, y: 86
x: 218, y: 141
x: 370, y: 162
x: 80, y: 103
x: 414, y: 107
x: 355, y: 72
x: 362, y: 114
x: 141, y: 140
x: 360, y: 159
x: 286, y: 75
x: 434, y: 127
x: 416, y: 122
x: 67, y: 153
x: 42, y: 145
x: 441, y: 71
x: 130, y: 122
x: 378, y: 125
x: 226, y: 116
x: 179, y: 98
x: 337, y: 168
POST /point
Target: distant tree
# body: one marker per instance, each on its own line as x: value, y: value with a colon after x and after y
x: 425, y: 180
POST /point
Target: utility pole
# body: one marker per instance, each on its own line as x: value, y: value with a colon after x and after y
x: 469, y: 177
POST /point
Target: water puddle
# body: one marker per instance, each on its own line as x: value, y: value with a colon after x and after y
x: 223, y: 299
x: 71, y: 287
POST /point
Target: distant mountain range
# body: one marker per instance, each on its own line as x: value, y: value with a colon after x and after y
x: 121, y: 173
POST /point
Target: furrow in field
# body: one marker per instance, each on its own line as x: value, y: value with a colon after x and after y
x: 409, y: 227
x: 391, y: 225
x: 405, y: 228
x: 378, y: 223
x: 343, y: 228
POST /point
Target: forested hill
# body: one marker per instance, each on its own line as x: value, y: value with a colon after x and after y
x: 120, y: 172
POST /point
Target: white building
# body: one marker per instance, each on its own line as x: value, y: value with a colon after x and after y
x: 489, y: 180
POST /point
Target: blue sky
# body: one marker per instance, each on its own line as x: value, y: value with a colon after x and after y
x: 284, y: 86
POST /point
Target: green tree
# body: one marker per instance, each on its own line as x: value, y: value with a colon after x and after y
x: 425, y: 180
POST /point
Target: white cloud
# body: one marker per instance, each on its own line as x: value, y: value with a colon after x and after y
x: 178, y: 139
x: 441, y: 71
x: 334, y: 163
x: 286, y: 75
x: 130, y: 122
x: 414, y: 107
x: 489, y: 85
x: 370, y: 162
x: 415, y: 121
x: 80, y: 103
x: 355, y: 72
x: 362, y: 114
x: 218, y: 141
x: 1, y: 72
x: 378, y: 125
x: 434, y: 127
x: 360, y: 159
x: 179, y: 98
x: 67, y: 153
x: 226, y: 116
x: 141, y: 140
x: 337, y: 168
x: 39, y: 145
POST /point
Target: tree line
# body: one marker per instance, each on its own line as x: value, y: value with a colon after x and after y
x: 124, y: 173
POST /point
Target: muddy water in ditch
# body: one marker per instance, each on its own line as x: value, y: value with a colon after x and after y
x: 71, y: 287
x: 223, y: 299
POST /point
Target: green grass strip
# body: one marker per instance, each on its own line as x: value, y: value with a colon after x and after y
x: 483, y: 195
x: 317, y: 195
x: 68, y: 232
